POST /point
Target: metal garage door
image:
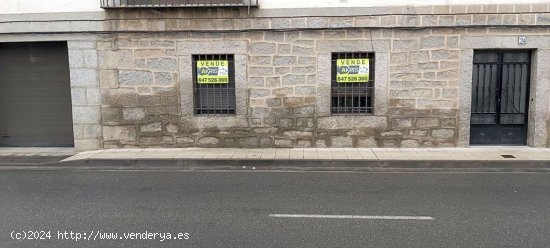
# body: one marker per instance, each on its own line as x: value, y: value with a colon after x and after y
x: 35, y: 95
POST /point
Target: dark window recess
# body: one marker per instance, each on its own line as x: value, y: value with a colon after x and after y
x: 352, y: 97
x: 213, y: 98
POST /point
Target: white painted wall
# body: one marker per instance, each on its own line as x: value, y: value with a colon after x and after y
x: 275, y: 4
x: 45, y: 6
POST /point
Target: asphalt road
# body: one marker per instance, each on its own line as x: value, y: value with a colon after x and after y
x: 232, y: 209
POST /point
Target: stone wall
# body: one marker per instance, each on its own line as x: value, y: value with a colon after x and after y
x: 424, y: 88
x: 146, y: 84
x: 241, y: 19
x: 140, y: 102
x: 283, y: 87
x: 423, y: 63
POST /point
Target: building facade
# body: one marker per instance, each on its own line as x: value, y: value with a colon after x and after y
x: 274, y: 74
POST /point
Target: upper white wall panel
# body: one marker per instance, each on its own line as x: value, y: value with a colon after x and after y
x: 275, y: 4
x: 45, y: 6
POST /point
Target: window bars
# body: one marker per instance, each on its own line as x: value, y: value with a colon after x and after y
x: 214, y: 84
x: 176, y: 3
x: 351, y: 90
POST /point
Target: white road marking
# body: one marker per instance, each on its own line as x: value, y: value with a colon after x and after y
x: 368, y: 217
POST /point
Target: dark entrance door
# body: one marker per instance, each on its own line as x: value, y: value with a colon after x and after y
x: 500, y: 94
x: 35, y: 95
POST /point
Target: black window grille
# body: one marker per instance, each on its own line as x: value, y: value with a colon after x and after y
x: 352, y: 96
x: 214, y: 94
x: 176, y: 3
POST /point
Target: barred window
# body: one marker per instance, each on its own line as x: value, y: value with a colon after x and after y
x: 214, y: 84
x: 352, y: 83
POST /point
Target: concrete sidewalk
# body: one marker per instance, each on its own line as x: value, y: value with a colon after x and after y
x: 37, y: 151
x: 476, y: 159
x: 323, y: 154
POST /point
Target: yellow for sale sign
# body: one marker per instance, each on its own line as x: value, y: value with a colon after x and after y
x: 212, y: 71
x: 352, y: 70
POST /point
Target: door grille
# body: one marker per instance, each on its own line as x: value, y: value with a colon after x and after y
x: 500, y: 94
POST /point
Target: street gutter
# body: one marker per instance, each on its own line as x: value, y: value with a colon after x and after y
x: 283, y: 165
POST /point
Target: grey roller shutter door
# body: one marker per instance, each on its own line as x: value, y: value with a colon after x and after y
x: 35, y: 95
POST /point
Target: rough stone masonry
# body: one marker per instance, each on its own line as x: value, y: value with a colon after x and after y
x: 140, y: 85
x: 282, y: 70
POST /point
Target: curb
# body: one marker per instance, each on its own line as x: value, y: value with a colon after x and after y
x: 286, y: 165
